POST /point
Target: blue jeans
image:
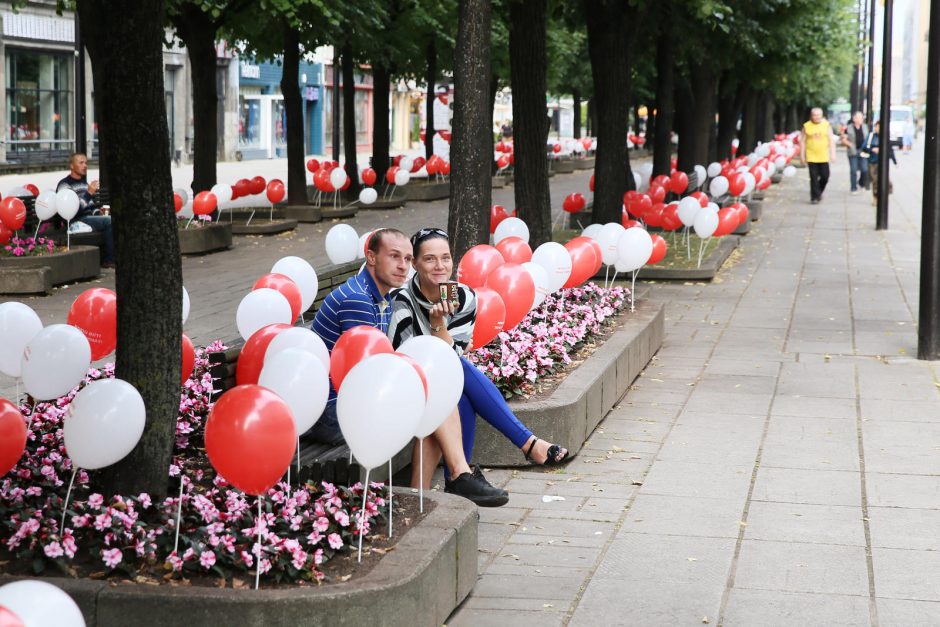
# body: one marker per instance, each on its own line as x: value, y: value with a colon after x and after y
x: 858, y: 172
x: 480, y: 397
x: 326, y: 429
x: 103, y: 225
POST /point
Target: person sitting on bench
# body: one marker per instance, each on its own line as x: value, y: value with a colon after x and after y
x: 365, y: 299
x: 88, y: 213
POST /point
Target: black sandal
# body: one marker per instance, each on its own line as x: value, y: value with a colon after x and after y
x: 551, y: 458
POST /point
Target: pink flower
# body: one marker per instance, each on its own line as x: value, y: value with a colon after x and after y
x: 53, y: 550
x: 207, y: 559
x: 175, y: 562
x: 322, y: 524
x: 95, y: 501
x: 299, y: 559
x: 342, y: 518
x: 336, y: 542
x: 111, y: 557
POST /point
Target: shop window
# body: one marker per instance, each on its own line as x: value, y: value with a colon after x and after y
x: 39, y: 101
x: 249, y: 123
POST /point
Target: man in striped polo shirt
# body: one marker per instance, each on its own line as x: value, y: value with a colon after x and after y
x: 364, y: 299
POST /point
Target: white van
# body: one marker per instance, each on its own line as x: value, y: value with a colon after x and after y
x: 902, y: 117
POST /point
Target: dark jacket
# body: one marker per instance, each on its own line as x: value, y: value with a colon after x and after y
x: 86, y: 202
x: 872, y: 142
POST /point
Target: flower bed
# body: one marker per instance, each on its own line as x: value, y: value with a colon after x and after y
x: 29, y: 247
x: 545, y: 340
x: 133, y: 535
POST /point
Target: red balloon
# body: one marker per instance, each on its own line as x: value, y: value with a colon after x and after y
x: 445, y: 166
x: 242, y: 187
x: 586, y: 143
x: 679, y: 182
x: 491, y: 316
x: 352, y: 347
x: 396, y: 160
x: 322, y: 181
x: 514, y: 250
x: 12, y: 435
x: 583, y: 261
x: 728, y: 220
x: 654, y: 217
x: 626, y: 221
x: 503, y: 162
x: 598, y: 253
x: 12, y: 213
x: 477, y: 263
x: 418, y: 369
x: 5, y: 234
x: 32, y: 189
x: 94, y: 313
x: 556, y: 148
x: 743, y: 213
x: 257, y: 185
x: 390, y: 174
x: 177, y: 202
x: 250, y: 438
x: 702, y: 198
x: 661, y: 181
x: 736, y: 184
x: 591, y: 183
x: 659, y: 250
x: 369, y: 176
x: 433, y: 165
x: 418, y: 164
x: 204, y: 203
x: 346, y: 184
x: 286, y: 286
x: 671, y: 220
x: 515, y: 286
x: 657, y: 193
x: 313, y: 165
x: 573, y: 203
x: 642, y: 205
x: 189, y: 358
x: 497, y: 215
x: 251, y: 358
x: 276, y: 191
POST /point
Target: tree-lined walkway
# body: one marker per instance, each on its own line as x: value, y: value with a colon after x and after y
x: 777, y: 463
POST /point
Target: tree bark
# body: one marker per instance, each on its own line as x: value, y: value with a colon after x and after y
x: 748, y: 133
x: 685, y: 127
x: 198, y: 32
x: 126, y: 50
x: 381, y: 134
x: 728, y: 112
x: 607, y: 30
x: 591, y: 118
x: 576, y: 98
x: 530, y: 133
x: 665, y: 97
x: 293, y: 111
x: 349, y: 120
x: 471, y: 181
x: 429, y: 129
x: 703, y: 111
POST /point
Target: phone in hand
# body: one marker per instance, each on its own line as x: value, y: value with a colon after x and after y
x: 449, y: 291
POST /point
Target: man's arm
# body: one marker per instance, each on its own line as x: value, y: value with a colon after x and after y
x: 803, y: 145
x: 832, y: 146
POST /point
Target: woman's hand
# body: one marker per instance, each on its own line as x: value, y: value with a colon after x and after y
x: 438, y: 313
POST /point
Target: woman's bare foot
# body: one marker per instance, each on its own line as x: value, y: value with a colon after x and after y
x: 537, y: 449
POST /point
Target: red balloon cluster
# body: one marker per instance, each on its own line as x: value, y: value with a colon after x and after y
x: 491, y: 316
x: 437, y: 165
x: 574, y: 203
x: 516, y: 287
x: 12, y: 213
x: 514, y: 250
x: 586, y: 259
x: 286, y: 286
x: 94, y: 313
x: 477, y: 263
x: 678, y: 182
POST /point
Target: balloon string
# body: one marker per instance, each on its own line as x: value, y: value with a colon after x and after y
x: 298, y: 435
x: 190, y: 221
x: 249, y: 217
x: 17, y: 392
x: 362, y: 514
x: 179, y: 515
x: 68, y: 235
x: 258, y: 565
x: 633, y: 292
x: 421, y: 475
x: 606, y: 276
x: 65, y: 505
x: 389, y: 498
x: 688, y: 244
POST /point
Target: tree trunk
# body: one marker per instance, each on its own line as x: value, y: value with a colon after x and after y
x: 665, y: 97
x: 768, y: 105
x: 471, y: 181
x: 349, y: 120
x: 728, y: 112
x: 527, y: 64
x: 126, y: 50
x: 685, y: 127
x: 381, y: 134
x: 748, y: 133
x: 494, y: 88
x: 429, y: 129
x: 576, y: 98
x: 591, y: 118
x: 198, y: 32
x: 293, y: 111
x: 607, y: 29
x: 703, y: 111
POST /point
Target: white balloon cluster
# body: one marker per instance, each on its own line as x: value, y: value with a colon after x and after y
x: 624, y: 249
x: 264, y: 306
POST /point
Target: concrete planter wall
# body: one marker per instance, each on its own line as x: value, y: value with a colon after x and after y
x: 347, y: 205
x: 263, y: 226
x: 423, y: 190
x: 561, y: 166
x: 589, y: 391
x: 709, y: 268
x: 431, y: 571
x: 755, y: 209
x: 586, y: 163
x: 205, y: 239
x: 37, y: 275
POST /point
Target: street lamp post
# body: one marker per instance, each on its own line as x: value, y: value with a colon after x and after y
x: 80, y: 133
x: 869, y: 84
x: 928, y: 327
x: 884, y: 135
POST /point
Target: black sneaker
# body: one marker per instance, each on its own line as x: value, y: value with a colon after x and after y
x: 474, y: 487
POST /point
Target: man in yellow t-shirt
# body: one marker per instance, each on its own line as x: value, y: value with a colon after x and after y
x: 817, y: 148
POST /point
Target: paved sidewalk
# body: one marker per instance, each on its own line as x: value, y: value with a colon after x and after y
x: 777, y: 464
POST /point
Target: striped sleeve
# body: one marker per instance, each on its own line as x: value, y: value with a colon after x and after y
x: 461, y: 324
x: 355, y: 310
x: 401, y: 326
x: 326, y: 322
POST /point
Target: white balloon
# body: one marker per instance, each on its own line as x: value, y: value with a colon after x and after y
x: 186, y: 211
x: 41, y: 604
x: 373, y: 433
x: 718, y: 186
x: 511, y: 227
x: 688, y: 208
x: 402, y: 177
x: 368, y: 195
x: 763, y: 150
x: 299, y: 338
x: 789, y: 171
x: 780, y: 162
x: 633, y: 249
x: 185, y: 305
x: 45, y: 205
x: 55, y: 361
x: 714, y: 169
x: 735, y: 142
x: 19, y: 192
x: 301, y: 381
x: 607, y: 238
x: 259, y: 308
x: 223, y: 193
x: 301, y: 273
x: 713, y: 207
x: 705, y: 223
x: 66, y: 202
x: 749, y: 183
x: 540, y: 278
x: 592, y: 230
x: 637, y: 179
x: 18, y: 325
x: 700, y: 176
x: 104, y: 423
x: 337, y: 178
x: 183, y: 194
x: 361, y: 251
x: 556, y: 261
x: 646, y: 169
x: 341, y: 244
x: 444, y: 374
x: 752, y: 159
x: 406, y: 164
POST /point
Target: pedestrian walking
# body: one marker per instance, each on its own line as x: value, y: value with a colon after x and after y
x: 870, y: 151
x: 853, y: 138
x: 817, y: 149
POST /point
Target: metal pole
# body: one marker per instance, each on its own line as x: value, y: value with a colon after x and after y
x: 884, y: 134
x: 80, y: 132
x: 859, y: 63
x: 336, y: 105
x: 928, y: 327
x: 869, y: 86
